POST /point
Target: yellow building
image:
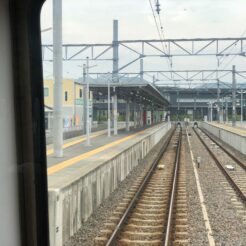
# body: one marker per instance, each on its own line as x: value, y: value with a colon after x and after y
x: 72, y: 102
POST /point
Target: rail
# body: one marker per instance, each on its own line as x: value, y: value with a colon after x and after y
x: 220, y: 166
x: 239, y: 162
x: 119, y: 226
x: 173, y: 193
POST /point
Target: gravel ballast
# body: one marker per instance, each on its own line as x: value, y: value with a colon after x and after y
x: 197, y: 230
x: 91, y: 228
x: 227, y: 225
x: 225, y: 220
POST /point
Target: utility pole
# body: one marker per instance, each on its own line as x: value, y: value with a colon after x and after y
x: 234, y: 87
x: 88, y: 104
x: 115, y: 52
x: 74, y: 102
x: 57, y: 68
x: 241, y: 106
x: 222, y: 110
x: 178, y: 105
x: 128, y: 114
x: 194, y: 108
x: 109, y: 113
x: 218, y: 101
x: 211, y: 112
x: 141, y: 69
x: 141, y: 78
x: 226, y: 116
x: 115, y: 78
x: 84, y: 100
x: 115, y: 111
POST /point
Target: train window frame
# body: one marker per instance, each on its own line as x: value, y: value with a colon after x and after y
x: 29, y: 121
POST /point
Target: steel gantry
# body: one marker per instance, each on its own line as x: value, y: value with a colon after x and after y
x: 218, y: 47
x: 140, y: 49
x: 149, y: 48
x: 162, y: 76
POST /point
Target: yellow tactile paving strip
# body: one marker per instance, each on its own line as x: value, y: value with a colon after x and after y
x: 74, y: 142
x: 64, y: 164
x: 230, y: 128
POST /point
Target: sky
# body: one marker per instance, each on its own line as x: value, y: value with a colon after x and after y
x: 90, y: 21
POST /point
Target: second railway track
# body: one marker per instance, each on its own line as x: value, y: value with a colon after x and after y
x: 156, y: 213
x: 223, y: 158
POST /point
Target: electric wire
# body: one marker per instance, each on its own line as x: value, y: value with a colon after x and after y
x: 224, y: 58
x: 156, y: 24
x: 161, y: 35
x: 230, y: 61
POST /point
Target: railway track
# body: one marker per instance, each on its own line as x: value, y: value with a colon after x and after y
x: 154, y: 212
x: 223, y: 158
x: 238, y: 161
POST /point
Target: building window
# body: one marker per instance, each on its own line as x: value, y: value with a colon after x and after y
x: 65, y: 96
x: 80, y: 93
x: 46, y: 92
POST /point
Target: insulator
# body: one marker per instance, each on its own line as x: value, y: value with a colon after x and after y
x: 158, y: 7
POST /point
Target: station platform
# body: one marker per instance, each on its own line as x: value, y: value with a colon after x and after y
x: 232, y: 136
x: 87, y: 175
x: 239, y: 125
x: 73, y: 141
x: 237, y: 129
x: 79, y: 158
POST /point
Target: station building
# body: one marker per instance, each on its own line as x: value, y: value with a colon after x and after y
x: 195, y: 103
x: 72, y: 103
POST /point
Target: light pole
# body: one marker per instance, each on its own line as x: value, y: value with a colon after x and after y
x: 87, y: 97
x: 87, y: 100
x: 57, y: 71
x: 109, y: 114
x: 211, y: 111
x: 241, y: 104
x: 234, y: 86
x: 227, y: 100
x: 226, y: 116
x: 218, y: 101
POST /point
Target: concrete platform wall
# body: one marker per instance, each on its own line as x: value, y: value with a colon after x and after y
x: 72, y: 205
x: 233, y: 139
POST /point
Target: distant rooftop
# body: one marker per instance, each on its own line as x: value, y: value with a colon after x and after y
x: 123, y: 81
x: 128, y: 87
x: 222, y: 85
x: 204, y: 86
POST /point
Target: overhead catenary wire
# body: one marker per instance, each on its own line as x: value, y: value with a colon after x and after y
x: 160, y: 31
x: 156, y: 24
x: 163, y: 38
x: 224, y: 58
x: 232, y: 58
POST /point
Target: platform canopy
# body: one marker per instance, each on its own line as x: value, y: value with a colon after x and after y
x: 133, y: 88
